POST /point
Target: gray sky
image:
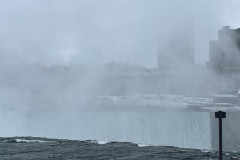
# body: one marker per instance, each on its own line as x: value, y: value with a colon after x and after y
x: 95, y: 32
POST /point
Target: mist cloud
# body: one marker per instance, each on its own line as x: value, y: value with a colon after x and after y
x: 95, y: 32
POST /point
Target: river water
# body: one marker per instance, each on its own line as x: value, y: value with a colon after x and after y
x: 12, y: 148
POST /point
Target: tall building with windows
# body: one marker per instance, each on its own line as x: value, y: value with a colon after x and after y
x: 224, y: 53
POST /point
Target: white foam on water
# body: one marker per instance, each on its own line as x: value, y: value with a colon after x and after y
x: 31, y: 141
x: 102, y: 142
x: 206, y: 151
x: 144, y: 145
x: 99, y: 142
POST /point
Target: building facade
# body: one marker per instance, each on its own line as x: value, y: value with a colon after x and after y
x: 224, y: 53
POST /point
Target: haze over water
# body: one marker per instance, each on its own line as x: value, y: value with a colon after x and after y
x: 87, y: 70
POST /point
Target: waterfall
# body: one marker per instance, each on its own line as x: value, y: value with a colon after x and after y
x: 181, y: 129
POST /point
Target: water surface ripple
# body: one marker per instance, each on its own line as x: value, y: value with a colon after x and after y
x: 43, y: 148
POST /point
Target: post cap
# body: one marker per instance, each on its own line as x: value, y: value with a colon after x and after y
x: 234, y: 158
x: 220, y: 114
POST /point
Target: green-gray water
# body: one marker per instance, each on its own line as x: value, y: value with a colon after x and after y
x: 43, y: 148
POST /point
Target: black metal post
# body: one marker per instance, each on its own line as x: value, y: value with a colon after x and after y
x: 220, y: 115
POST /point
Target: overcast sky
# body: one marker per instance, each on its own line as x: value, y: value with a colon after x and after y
x: 94, y: 32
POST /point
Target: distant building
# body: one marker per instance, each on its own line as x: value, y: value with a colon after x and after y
x: 224, y: 53
x: 179, y: 51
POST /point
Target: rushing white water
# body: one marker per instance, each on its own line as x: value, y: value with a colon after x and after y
x: 182, y: 129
